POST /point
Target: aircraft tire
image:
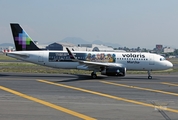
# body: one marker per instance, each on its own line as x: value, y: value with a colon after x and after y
x: 149, y: 77
x: 93, y: 75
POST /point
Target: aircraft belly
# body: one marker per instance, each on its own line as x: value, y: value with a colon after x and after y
x: 69, y: 65
x: 63, y: 65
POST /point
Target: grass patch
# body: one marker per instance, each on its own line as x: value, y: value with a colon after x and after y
x: 33, y: 68
x: 4, y: 57
x: 174, y: 61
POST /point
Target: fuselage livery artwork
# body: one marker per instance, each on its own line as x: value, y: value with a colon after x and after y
x: 95, y: 57
x: 108, y: 63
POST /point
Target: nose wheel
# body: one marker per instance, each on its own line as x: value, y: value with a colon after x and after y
x: 94, y: 75
x: 149, y: 75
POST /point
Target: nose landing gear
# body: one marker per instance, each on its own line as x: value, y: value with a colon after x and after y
x: 149, y: 75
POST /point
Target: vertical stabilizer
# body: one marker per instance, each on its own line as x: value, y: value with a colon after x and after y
x: 21, y: 39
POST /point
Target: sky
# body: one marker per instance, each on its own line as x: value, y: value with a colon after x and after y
x: 130, y: 23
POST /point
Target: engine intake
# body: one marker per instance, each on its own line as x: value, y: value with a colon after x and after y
x: 114, y: 71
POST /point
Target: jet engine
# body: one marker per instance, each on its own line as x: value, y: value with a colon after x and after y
x: 114, y: 71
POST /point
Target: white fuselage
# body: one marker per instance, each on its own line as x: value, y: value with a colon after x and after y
x: 60, y: 59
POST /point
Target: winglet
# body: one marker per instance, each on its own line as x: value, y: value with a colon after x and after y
x: 70, y: 54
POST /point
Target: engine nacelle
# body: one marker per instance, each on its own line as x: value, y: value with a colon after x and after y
x: 114, y: 71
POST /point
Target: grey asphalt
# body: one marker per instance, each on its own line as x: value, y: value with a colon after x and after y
x: 14, y: 107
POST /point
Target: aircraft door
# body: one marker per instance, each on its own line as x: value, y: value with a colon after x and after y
x: 40, y: 57
x: 151, y: 60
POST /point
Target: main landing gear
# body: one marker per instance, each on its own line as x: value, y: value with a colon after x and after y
x: 94, y: 75
x: 149, y: 75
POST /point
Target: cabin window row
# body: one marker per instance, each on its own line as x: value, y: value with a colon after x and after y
x: 132, y: 59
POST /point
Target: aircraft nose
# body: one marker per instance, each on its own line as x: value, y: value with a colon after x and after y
x: 169, y: 65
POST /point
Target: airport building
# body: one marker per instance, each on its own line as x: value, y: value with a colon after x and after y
x: 80, y: 47
x: 95, y: 47
x: 168, y: 50
x: 159, y: 48
x: 59, y: 46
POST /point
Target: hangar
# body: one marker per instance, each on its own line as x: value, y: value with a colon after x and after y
x: 80, y: 47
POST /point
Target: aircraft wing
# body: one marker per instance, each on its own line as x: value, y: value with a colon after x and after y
x: 100, y: 63
x: 93, y: 65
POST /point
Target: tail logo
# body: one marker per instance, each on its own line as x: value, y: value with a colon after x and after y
x: 23, y: 39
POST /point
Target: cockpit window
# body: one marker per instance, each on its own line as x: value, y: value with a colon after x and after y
x: 162, y: 59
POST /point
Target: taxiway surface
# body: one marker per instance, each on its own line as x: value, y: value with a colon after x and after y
x: 77, y: 97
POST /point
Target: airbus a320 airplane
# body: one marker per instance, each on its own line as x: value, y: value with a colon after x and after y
x: 108, y: 63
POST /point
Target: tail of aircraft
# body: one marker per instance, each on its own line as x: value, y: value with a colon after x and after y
x: 21, y: 39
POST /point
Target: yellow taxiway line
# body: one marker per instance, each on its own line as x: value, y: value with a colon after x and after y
x: 108, y: 96
x: 171, y: 84
x: 79, y: 115
x: 140, y: 88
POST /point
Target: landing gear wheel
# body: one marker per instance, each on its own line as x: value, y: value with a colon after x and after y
x: 149, y: 77
x: 93, y: 75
